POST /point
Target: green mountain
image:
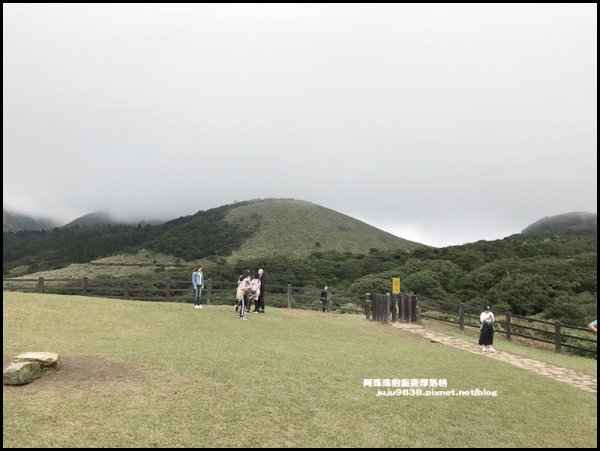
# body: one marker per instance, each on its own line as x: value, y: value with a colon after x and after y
x: 252, y: 229
x: 270, y: 227
x: 574, y: 223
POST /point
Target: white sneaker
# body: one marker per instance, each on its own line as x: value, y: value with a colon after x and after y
x: 492, y: 349
x: 199, y: 306
x: 196, y: 307
x: 483, y: 349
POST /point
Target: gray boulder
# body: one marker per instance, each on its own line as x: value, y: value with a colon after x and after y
x: 19, y: 373
x: 45, y: 359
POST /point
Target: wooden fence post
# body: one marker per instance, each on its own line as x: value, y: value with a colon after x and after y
x: 386, y: 310
x: 40, y: 286
x: 507, y: 325
x: 168, y: 289
x: 289, y: 295
x: 417, y: 309
x: 328, y: 307
x: 368, y: 303
x: 126, y: 288
x: 557, y: 339
x: 461, y: 318
x: 402, y: 309
x: 208, y: 291
x: 376, y: 303
x: 84, y: 286
x: 394, y: 306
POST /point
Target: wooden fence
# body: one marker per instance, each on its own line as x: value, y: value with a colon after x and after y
x: 552, y: 332
x: 384, y: 308
x: 215, y: 292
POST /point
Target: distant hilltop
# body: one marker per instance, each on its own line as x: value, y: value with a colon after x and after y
x: 574, y: 223
x: 14, y: 222
x: 96, y: 218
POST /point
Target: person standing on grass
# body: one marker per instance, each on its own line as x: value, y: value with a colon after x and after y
x: 198, y: 284
x: 260, y: 305
x: 593, y: 326
x: 486, y: 336
x: 255, y: 292
x: 324, y: 298
x: 242, y: 289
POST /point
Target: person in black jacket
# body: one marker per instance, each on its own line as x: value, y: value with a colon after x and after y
x: 260, y: 304
x: 324, y: 298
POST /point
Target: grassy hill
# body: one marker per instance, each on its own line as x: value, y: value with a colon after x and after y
x: 296, y: 228
x: 253, y: 229
x: 141, y: 374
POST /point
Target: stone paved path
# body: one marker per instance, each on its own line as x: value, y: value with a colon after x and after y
x: 582, y: 381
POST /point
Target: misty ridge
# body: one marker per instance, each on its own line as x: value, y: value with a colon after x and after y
x: 14, y: 222
x: 574, y: 223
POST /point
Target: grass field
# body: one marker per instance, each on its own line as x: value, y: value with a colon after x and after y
x: 157, y: 374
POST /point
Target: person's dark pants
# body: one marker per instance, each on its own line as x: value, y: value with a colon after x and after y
x: 260, y: 303
x: 197, y: 294
x: 248, y: 301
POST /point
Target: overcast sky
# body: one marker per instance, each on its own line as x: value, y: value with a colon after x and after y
x: 442, y: 124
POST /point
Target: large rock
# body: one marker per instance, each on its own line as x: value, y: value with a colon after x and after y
x: 46, y: 359
x: 19, y: 373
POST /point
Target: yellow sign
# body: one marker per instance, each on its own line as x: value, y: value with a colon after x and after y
x: 395, y: 285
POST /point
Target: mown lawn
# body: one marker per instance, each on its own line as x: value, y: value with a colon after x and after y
x: 157, y: 374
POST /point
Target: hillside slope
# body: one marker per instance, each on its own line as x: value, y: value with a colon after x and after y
x: 297, y: 228
x: 251, y: 229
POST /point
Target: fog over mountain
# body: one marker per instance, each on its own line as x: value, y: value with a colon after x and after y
x: 440, y: 123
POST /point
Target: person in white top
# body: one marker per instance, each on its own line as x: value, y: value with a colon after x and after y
x: 486, y: 336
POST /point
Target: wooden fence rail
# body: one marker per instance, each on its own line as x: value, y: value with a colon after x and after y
x: 377, y: 307
x: 512, y: 325
x: 215, y: 292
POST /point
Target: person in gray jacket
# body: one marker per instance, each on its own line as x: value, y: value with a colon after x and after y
x: 198, y: 284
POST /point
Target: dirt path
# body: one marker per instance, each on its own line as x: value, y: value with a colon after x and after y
x: 578, y: 380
